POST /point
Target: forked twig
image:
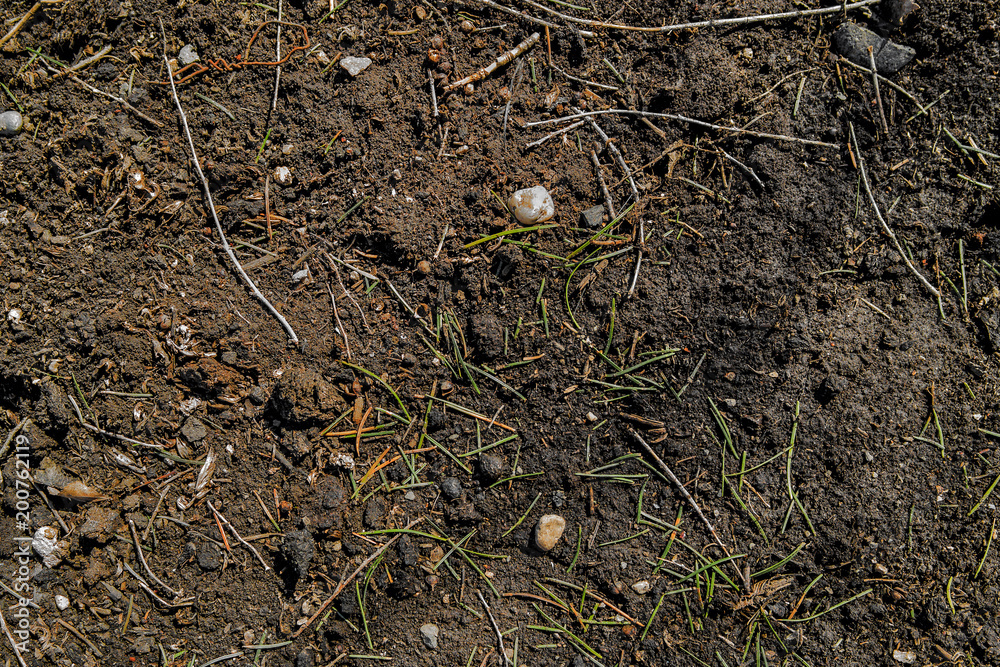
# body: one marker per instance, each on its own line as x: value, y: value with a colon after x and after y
x: 687, y: 496
x: 496, y: 628
x: 145, y: 565
x: 211, y: 205
x: 225, y: 522
x: 885, y: 225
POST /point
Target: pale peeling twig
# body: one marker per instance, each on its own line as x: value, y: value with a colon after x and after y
x: 687, y: 496
x: 144, y: 586
x: 225, y: 522
x: 145, y: 565
x: 553, y: 135
x: 343, y: 584
x: 520, y: 15
x: 86, y: 62
x: 340, y: 326
x: 434, y: 95
x: 496, y: 628
x: 502, y: 61
x: 878, y: 94
x: 885, y: 225
x: 740, y: 20
x: 10, y: 638
x: 211, y: 207
x: 683, y: 119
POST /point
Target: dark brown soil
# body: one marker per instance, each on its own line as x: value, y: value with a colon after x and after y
x: 770, y: 309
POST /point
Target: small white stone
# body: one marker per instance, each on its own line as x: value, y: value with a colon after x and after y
x: 905, y: 657
x: 14, y: 315
x: 300, y: 275
x: 10, y: 123
x: 532, y: 205
x: 548, y: 531
x: 283, y: 175
x: 355, y: 66
x: 641, y: 587
x: 188, y: 55
x: 62, y: 602
x: 46, y: 544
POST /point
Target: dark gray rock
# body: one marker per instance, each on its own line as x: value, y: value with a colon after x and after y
x: 490, y: 467
x: 852, y: 42
x: 209, y: 557
x: 451, y: 487
x: 374, y: 512
x: 593, y: 217
x: 298, y: 549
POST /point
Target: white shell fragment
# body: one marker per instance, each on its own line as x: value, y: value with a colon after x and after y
x: 188, y: 55
x: 355, y: 66
x: 641, y: 587
x: 46, y: 544
x: 10, y: 123
x: 532, y: 205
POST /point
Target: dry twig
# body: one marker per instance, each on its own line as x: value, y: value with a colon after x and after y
x: 711, y: 23
x: 687, y: 496
x: 885, y: 225
x: 225, y: 522
x: 211, y: 206
x: 343, y: 584
x: 683, y: 119
x: 496, y: 628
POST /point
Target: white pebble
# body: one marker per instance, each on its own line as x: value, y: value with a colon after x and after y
x: 548, y: 531
x: 283, y: 175
x: 532, y: 205
x: 641, y: 587
x: 355, y: 66
x: 188, y: 55
x: 10, y: 123
x: 62, y: 602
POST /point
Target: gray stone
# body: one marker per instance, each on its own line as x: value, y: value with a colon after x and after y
x: 258, y: 396
x: 429, y: 633
x: 593, y: 217
x: 491, y: 467
x: 548, y: 530
x: 355, y: 66
x: 209, y: 557
x: 298, y: 549
x: 852, y: 42
x: 188, y: 55
x: 451, y: 487
x: 229, y: 358
x: 194, y: 430
x: 10, y: 123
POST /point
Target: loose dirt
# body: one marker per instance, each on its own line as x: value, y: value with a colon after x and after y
x: 745, y: 314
